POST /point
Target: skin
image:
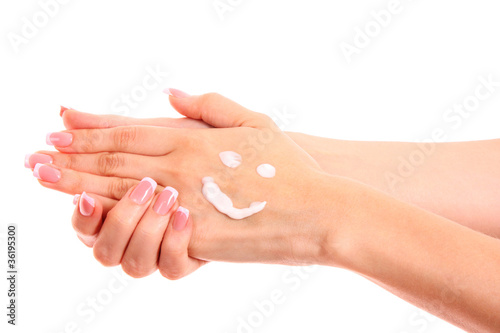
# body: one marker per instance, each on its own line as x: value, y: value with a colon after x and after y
x: 143, y: 239
x: 458, y: 180
x: 330, y: 220
x: 438, y: 185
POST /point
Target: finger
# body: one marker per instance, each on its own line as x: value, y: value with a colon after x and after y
x: 73, y: 182
x: 80, y: 120
x: 216, y: 110
x: 175, y: 262
x: 144, y: 140
x: 30, y: 160
x: 106, y: 203
x: 87, y: 217
x: 121, y: 221
x: 104, y: 164
x: 141, y: 255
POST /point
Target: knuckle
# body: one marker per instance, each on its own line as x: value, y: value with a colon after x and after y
x: 117, y: 219
x: 75, y: 221
x: 208, y: 99
x: 108, y: 163
x: 266, y: 119
x: 85, y: 229
x: 171, y: 273
x: 86, y: 146
x: 104, y: 257
x: 69, y: 161
x: 90, y: 140
x: 193, y: 143
x: 170, y: 263
x: 174, y: 252
x: 213, y: 96
x: 124, y: 137
x: 147, y: 233
x: 135, y: 269
x: 89, y: 241
x: 118, y: 188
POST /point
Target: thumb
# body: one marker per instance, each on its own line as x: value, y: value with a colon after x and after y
x: 216, y: 110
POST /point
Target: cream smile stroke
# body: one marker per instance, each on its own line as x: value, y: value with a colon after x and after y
x: 224, y: 204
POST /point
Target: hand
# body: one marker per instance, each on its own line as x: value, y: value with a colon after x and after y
x: 194, y: 106
x: 145, y: 235
x: 284, y: 232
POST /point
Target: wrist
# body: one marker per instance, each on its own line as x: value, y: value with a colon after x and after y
x: 350, y: 216
x: 330, y: 209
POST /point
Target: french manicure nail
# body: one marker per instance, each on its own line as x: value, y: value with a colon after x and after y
x: 63, y: 108
x: 59, y: 139
x: 46, y: 173
x: 143, y: 191
x: 176, y: 93
x: 30, y: 160
x: 87, y: 205
x: 165, y: 200
x: 180, y: 218
x: 76, y: 198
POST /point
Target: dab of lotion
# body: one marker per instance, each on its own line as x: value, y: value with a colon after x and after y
x: 224, y: 204
x: 266, y: 170
x: 230, y: 159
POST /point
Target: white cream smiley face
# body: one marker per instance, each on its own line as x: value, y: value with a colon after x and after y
x: 221, y: 201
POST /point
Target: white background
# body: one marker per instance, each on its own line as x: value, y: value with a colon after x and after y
x: 266, y: 55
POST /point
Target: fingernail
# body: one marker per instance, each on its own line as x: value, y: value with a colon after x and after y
x: 30, y: 160
x: 176, y: 93
x: 180, y: 218
x: 63, y: 108
x: 87, y: 205
x: 143, y: 191
x: 46, y: 173
x: 59, y: 139
x: 75, y: 199
x: 165, y: 200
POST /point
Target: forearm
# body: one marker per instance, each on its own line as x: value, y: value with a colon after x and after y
x: 440, y: 266
x: 460, y: 181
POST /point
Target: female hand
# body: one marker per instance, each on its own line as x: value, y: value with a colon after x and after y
x: 207, y: 106
x: 143, y: 231
x: 284, y: 232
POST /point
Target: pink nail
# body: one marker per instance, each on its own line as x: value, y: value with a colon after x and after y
x: 176, y: 93
x: 87, y: 205
x: 63, y: 109
x: 76, y: 198
x: 32, y: 159
x: 180, y: 218
x: 59, y: 139
x: 165, y: 200
x: 46, y: 173
x: 144, y: 191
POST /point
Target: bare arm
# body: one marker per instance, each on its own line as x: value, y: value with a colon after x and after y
x: 459, y: 180
x: 440, y: 266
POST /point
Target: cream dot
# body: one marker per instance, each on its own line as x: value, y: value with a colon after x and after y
x: 266, y: 170
x: 230, y: 159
